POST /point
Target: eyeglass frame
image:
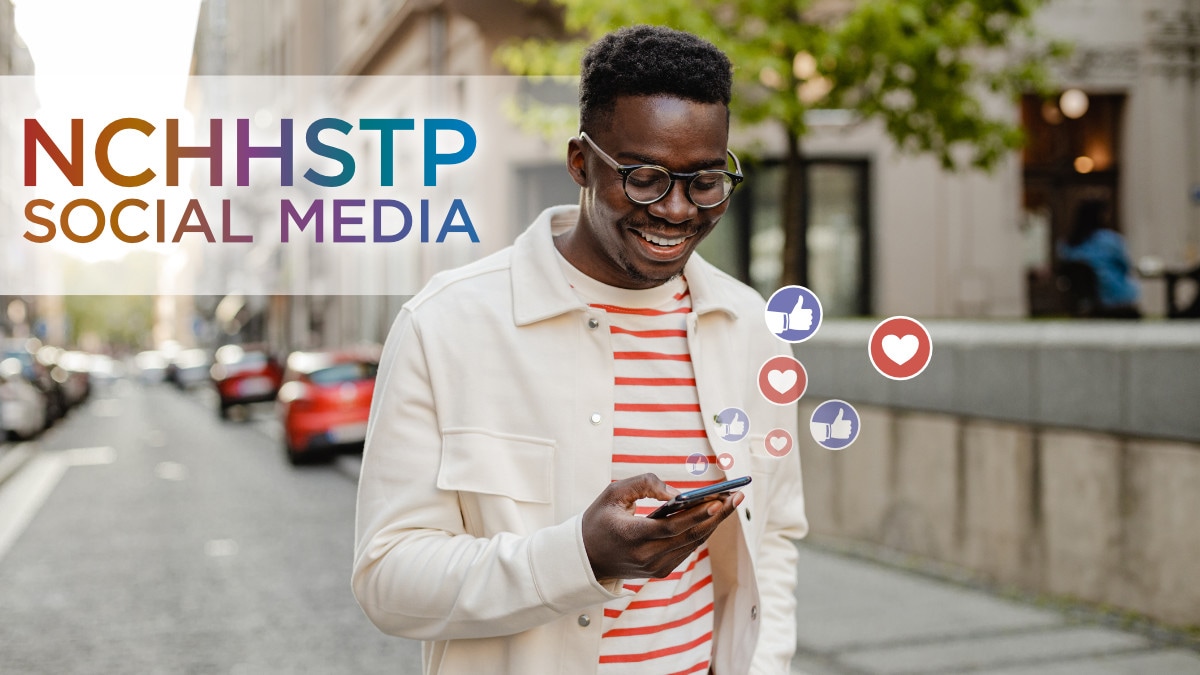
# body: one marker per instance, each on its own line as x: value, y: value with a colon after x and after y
x: 625, y: 169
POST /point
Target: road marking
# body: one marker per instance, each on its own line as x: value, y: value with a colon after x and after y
x: 26, y: 491
x: 171, y: 471
x: 97, y: 456
x: 105, y: 407
x: 23, y: 494
x: 13, y: 458
x: 220, y: 548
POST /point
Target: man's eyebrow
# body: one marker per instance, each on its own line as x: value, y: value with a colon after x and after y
x: 645, y: 159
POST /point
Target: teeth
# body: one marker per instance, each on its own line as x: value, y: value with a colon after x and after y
x: 662, y: 241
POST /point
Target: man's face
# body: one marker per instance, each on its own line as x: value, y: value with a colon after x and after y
x: 630, y: 245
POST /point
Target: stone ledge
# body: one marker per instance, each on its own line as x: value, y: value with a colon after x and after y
x: 1135, y: 378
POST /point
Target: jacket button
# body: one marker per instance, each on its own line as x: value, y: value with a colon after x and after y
x: 596, y: 418
x: 753, y: 613
x: 592, y: 323
x: 747, y: 515
x: 585, y: 620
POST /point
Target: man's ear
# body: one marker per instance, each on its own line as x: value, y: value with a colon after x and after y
x: 576, y: 162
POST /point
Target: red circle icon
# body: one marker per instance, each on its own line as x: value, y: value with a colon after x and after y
x: 782, y: 380
x: 900, y: 348
x: 725, y: 461
x: 778, y: 442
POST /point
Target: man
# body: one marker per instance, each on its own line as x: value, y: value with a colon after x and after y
x: 532, y: 407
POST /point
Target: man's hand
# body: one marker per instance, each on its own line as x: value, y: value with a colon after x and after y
x: 621, y: 545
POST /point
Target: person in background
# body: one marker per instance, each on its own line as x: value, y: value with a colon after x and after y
x: 1092, y: 241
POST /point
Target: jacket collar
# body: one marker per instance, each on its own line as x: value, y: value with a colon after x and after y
x: 540, y: 290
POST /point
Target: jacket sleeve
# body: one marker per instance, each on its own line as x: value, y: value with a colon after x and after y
x: 417, y: 573
x: 777, y: 557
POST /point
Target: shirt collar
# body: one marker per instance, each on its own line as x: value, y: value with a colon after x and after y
x: 541, y: 291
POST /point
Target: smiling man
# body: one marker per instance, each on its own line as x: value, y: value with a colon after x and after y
x: 533, y: 407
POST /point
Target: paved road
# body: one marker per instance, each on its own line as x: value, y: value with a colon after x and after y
x: 147, y: 536
x: 182, y: 545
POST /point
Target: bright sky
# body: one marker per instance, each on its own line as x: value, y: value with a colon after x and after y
x: 102, y: 60
x: 92, y: 50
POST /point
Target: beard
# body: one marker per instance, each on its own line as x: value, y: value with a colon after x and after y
x: 633, y: 221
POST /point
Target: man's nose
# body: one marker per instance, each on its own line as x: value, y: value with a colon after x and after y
x: 675, y: 208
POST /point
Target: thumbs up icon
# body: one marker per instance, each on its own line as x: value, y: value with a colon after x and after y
x: 838, y: 432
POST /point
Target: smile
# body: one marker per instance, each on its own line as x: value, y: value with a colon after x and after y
x: 663, y: 241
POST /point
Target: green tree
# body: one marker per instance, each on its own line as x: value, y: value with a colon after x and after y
x: 923, y: 68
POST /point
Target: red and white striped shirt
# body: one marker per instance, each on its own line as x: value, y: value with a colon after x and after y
x: 666, y: 627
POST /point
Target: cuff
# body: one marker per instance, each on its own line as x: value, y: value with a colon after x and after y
x: 562, y: 572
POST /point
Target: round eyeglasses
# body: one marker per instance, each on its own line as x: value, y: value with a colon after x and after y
x: 649, y: 183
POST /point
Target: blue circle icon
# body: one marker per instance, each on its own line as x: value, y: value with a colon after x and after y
x: 793, y: 314
x: 697, y: 464
x: 834, y: 424
x: 733, y: 424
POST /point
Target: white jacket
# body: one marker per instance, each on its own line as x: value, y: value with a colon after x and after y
x: 483, y: 452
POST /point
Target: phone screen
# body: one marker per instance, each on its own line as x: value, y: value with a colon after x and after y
x: 688, y: 499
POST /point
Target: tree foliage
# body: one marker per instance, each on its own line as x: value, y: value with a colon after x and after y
x: 939, y: 75
x: 923, y: 68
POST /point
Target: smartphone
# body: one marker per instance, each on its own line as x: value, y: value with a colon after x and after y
x: 689, y: 499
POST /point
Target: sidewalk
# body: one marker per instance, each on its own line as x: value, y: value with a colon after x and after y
x: 859, y: 617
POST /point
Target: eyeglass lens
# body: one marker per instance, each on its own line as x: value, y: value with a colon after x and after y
x: 648, y: 184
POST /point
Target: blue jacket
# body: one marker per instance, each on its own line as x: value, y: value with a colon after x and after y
x: 1105, y: 253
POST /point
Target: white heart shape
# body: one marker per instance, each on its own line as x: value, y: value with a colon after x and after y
x: 781, y: 380
x: 900, y: 349
x: 725, y: 461
x: 779, y: 442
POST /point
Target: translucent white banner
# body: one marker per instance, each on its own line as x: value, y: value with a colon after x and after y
x: 272, y: 185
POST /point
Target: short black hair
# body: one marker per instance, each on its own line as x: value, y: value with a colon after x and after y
x: 648, y: 61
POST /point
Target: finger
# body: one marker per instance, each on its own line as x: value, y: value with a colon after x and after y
x: 728, y: 503
x: 626, y: 492
x: 688, y: 539
x: 709, y: 512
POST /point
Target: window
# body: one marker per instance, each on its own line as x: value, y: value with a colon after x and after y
x: 835, y: 207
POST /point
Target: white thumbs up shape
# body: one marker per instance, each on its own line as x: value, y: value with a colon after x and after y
x: 840, y: 429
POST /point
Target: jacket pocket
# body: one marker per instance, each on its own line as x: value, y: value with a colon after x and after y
x: 520, y: 468
x: 761, y: 462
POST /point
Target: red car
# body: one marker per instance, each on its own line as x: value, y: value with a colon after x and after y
x: 245, y: 374
x: 324, y: 403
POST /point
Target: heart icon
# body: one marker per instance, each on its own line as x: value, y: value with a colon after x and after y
x: 782, y: 380
x: 900, y: 349
x: 725, y: 460
x: 778, y: 442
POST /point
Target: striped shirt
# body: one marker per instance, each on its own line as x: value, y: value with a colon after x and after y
x: 666, y: 626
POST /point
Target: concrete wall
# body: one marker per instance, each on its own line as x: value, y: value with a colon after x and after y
x: 1061, y: 458
x: 1135, y: 378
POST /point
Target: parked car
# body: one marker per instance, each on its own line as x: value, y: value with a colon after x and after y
x: 22, y: 406
x: 76, y: 367
x: 151, y: 366
x: 189, y: 368
x: 324, y: 403
x: 53, y: 393
x: 245, y: 374
x: 104, y: 370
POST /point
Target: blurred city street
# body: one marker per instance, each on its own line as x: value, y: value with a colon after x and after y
x: 144, y: 534
x: 172, y: 542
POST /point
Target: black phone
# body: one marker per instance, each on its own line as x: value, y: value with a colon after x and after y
x: 689, y: 499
